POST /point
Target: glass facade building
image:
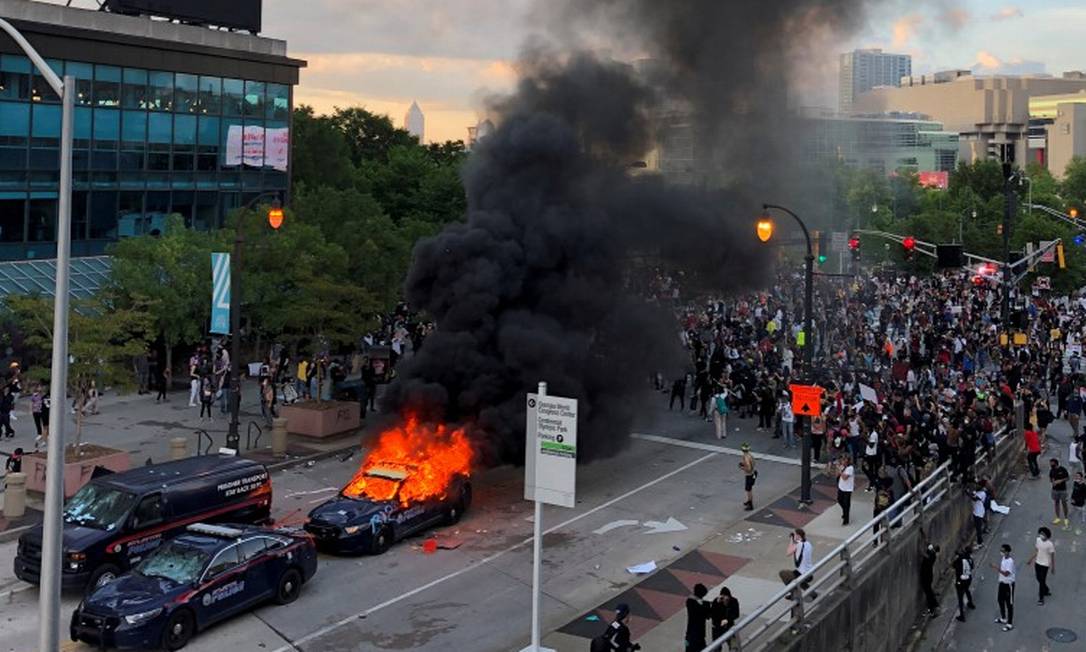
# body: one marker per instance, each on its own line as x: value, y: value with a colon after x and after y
x: 194, y: 135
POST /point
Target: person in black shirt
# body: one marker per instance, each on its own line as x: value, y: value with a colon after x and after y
x: 15, y: 461
x: 697, y: 613
x: 723, y: 612
x: 1059, y: 476
x: 927, y: 576
x: 617, y: 636
x: 963, y: 580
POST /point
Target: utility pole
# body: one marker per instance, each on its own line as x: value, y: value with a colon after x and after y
x: 1009, y: 201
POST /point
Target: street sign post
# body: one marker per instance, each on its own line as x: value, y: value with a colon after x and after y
x: 550, y: 475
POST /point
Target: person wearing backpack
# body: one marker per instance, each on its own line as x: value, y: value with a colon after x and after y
x: 616, y: 638
x: 963, y: 579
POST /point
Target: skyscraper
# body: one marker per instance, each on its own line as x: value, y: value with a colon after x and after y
x: 862, y: 70
x: 415, y: 122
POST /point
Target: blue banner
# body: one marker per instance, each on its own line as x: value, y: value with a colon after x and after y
x: 220, y: 293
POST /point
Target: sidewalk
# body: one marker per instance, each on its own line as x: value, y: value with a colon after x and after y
x: 746, y: 557
x: 1035, y: 627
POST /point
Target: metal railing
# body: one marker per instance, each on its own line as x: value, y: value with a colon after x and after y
x: 781, y: 615
x: 249, y: 441
x: 201, y: 435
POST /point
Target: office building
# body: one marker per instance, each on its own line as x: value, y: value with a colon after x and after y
x: 1057, y: 130
x: 862, y: 70
x: 886, y: 143
x: 991, y: 114
x: 169, y: 118
x: 415, y: 122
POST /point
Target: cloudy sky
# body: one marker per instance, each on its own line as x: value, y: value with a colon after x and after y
x: 447, y: 54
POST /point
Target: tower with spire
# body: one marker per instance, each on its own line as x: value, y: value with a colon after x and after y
x: 415, y: 122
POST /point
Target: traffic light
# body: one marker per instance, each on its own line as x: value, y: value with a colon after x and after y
x: 999, y: 229
x: 854, y: 246
x: 909, y: 243
x: 1059, y: 256
x: 820, y: 247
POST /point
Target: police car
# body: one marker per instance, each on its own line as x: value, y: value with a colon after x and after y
x: 359, y: 524
x: 207, y: 574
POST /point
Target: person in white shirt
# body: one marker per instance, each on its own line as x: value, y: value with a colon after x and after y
x: 1045, y: 557
x: 788, y: 420
x: 846, y: 482
x: 979, y: 497
x: 801, y: 552
x: 1005, y: 596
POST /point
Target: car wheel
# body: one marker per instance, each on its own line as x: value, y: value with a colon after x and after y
x: 465, y: 498
x: 381, y: 541
x: 453, y: 513
x: 290, y: 586
x: 179, y: 630
x: 102, y: 575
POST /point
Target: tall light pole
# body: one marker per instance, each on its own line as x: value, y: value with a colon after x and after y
x: 275, y: 220
x: 49, y: 621
x: 961, y: 220
x: 765, y: 231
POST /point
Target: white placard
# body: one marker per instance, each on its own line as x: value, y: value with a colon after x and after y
x: 550, y: 464
x: 868, y: 393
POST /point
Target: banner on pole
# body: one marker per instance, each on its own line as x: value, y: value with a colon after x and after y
x: 550, y: 473
x: 220, y: 293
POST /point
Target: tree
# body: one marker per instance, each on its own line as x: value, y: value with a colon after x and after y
x: 1074, y: 182
x: 320, y: 155
x: 369, y: 136
x: 170, y: 276
x: 102, y: 339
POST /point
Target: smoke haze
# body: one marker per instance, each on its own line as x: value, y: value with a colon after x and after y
x: 531, y: 286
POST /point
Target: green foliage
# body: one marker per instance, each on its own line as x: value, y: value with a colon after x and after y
x: 1074, y: 182
x: 369, y: 136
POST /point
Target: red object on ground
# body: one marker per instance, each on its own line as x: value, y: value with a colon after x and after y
x: 429, y: 546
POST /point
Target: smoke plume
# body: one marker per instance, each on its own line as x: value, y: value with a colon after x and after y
x: 533, y: 284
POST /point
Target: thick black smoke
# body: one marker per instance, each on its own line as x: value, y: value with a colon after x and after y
x: 532, y: 285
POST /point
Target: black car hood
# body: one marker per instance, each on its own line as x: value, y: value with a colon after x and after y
x: 132, y: 593
x: 349, y: 511
x: 76, y: 537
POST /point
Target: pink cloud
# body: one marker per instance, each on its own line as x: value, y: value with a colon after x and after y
x: 1007, y: 13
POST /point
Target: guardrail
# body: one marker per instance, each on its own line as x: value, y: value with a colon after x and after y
x: 249, y: 441
x: 837, y: 568
x: 201, y: 434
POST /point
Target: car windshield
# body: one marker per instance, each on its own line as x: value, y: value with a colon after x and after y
x: 373, y: 487
x: 98, y: 506
x: 176, y: 562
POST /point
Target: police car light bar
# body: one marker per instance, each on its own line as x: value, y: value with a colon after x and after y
x: 387, y: 473
x: 215, y: 530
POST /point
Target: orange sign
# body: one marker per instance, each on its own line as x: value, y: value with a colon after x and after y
x: 806, y: 400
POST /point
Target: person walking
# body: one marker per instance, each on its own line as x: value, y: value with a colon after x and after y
x: 802, y: 554
x: 979, y: 498
x: 1005, y: 595
x: 846, y: 483
x: 750, y: 475
x: 927, y: 576
x: 1078, y: 496
x: 1043, y: 560
x: 7, y: 405
x: 207, y: 396
x: 1033, y: 451
x: 35, y: 407
x: 678, y: 391
x: 194, y: 380
x: 1074, y: 412
x: 720, y: 413
x: 617, y: 636
x: 697, y: 615
x: 963, y: 580
x: 1058, y: 476
x: 164, y: 380
x: 788, y: 421
x: 723, y: 613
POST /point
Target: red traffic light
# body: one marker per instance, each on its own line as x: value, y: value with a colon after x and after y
x: 854, y: 243
x: 909, y: 243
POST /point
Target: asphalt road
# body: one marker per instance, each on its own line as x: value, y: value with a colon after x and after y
x: 477, y: 597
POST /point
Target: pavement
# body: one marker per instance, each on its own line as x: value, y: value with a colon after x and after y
x: 672, y: 496
x: 1055, y: 626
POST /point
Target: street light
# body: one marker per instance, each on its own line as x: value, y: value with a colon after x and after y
x: 52, y: 527
x: 275, y: 220
x: 808, y: 334
x: 765, y: 229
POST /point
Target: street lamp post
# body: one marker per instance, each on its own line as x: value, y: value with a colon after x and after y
x: 961, y: 220
x: 275, y: 219
x: 808, y: 336
x: 52, y: 525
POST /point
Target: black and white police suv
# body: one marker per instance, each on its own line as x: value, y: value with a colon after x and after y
x: 207, y: 574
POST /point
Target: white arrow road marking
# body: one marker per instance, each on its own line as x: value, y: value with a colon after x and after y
x: 613, y: 525
x: 672, y: 525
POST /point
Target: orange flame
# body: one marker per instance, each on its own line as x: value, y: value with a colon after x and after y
x: 430, y: 456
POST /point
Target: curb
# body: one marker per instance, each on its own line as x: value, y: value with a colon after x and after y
x: 11, y: 593
x: 315, y: 457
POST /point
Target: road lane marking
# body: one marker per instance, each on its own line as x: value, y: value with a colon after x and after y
x: 697, y: 445
x: 482, y: 562
x: 614, y: 525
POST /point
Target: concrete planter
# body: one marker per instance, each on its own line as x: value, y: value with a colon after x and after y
x: 77, y: 469
x: 326, y: 419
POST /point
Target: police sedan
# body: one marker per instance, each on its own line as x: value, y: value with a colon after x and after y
x: 207, y: 574
x: 359, y: 523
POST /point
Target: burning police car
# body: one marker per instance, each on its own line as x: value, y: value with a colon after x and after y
x: 382, y: 505
x: 207, y: 574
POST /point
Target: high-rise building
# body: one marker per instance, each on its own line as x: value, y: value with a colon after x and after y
x: 169, y: 118
x: 884, y: 143
x: 992, y: 114
x: 1057, y: 130
x: 862, y: 70
x: 415, y: 122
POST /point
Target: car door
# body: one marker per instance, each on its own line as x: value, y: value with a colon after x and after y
x: 260, y: 576
x: 222, y: 587
x: 146, y: 523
